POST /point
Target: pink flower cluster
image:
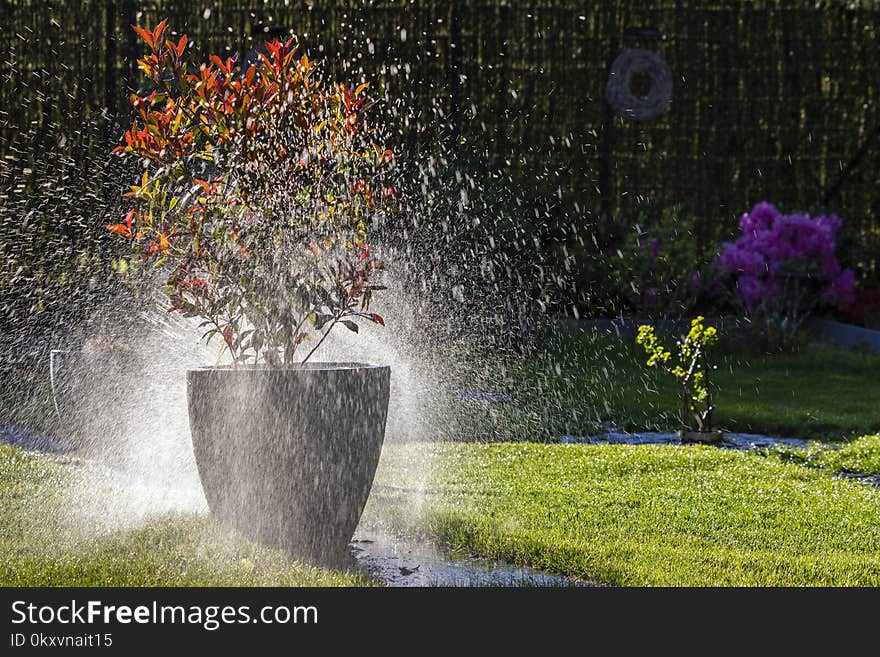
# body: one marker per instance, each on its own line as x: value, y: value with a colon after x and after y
x: 773, y: 243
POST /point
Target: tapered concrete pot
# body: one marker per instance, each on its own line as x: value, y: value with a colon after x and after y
x: 288, y: 457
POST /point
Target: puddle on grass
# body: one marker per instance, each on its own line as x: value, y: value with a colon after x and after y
x: 401, y: 563
x: 867, y: 479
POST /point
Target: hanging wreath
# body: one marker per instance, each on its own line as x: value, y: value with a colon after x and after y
x: 619, y: 89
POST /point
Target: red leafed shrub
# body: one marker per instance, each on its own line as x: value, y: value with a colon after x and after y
x: 259, y: 187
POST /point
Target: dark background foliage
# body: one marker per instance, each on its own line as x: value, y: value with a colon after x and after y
x: 773, y: 100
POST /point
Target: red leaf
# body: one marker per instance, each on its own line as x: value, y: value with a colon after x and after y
x: 122, y: 229
x: 146, y: 35
x: 157, y: 33
x: 119, y: 229
x: 219, y: 63
x: 274, y: 48
x: 266, y: 60
x: 249, y: 76
x: 378, y: 319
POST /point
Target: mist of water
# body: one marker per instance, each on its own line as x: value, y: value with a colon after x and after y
x: 457, y: 292
x: 138, y: 442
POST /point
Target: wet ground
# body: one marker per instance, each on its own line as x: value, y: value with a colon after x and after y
x: 17, y: 436
x: 398, y: 562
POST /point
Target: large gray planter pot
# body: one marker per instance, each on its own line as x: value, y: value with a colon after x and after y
x: 287, y: 457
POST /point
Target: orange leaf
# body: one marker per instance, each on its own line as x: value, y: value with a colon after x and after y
x: 146, y: 35
x: 122, y: 229
x: 157, y: 33
x: 119, y: 229
x: 266, y: 60
x: 219, y: 63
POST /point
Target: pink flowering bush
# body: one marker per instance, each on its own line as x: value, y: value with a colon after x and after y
x: 785, y: 267
x: 775, y: 246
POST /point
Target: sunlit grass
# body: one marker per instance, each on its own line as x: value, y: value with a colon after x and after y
x: 860, y: 456
x: 614, y: 514
x: 643, y: 515
x: 39, y: 546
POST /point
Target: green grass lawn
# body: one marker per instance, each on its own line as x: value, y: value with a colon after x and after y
x: 860, y: 456
x: 40, y: 545
x: 613, y: 514
x: 642, y: 515
x: 821, y: 392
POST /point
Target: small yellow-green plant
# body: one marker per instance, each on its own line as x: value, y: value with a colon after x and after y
x: 690, y: 369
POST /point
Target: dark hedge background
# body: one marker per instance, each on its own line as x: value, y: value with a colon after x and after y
x: 773, y: 100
